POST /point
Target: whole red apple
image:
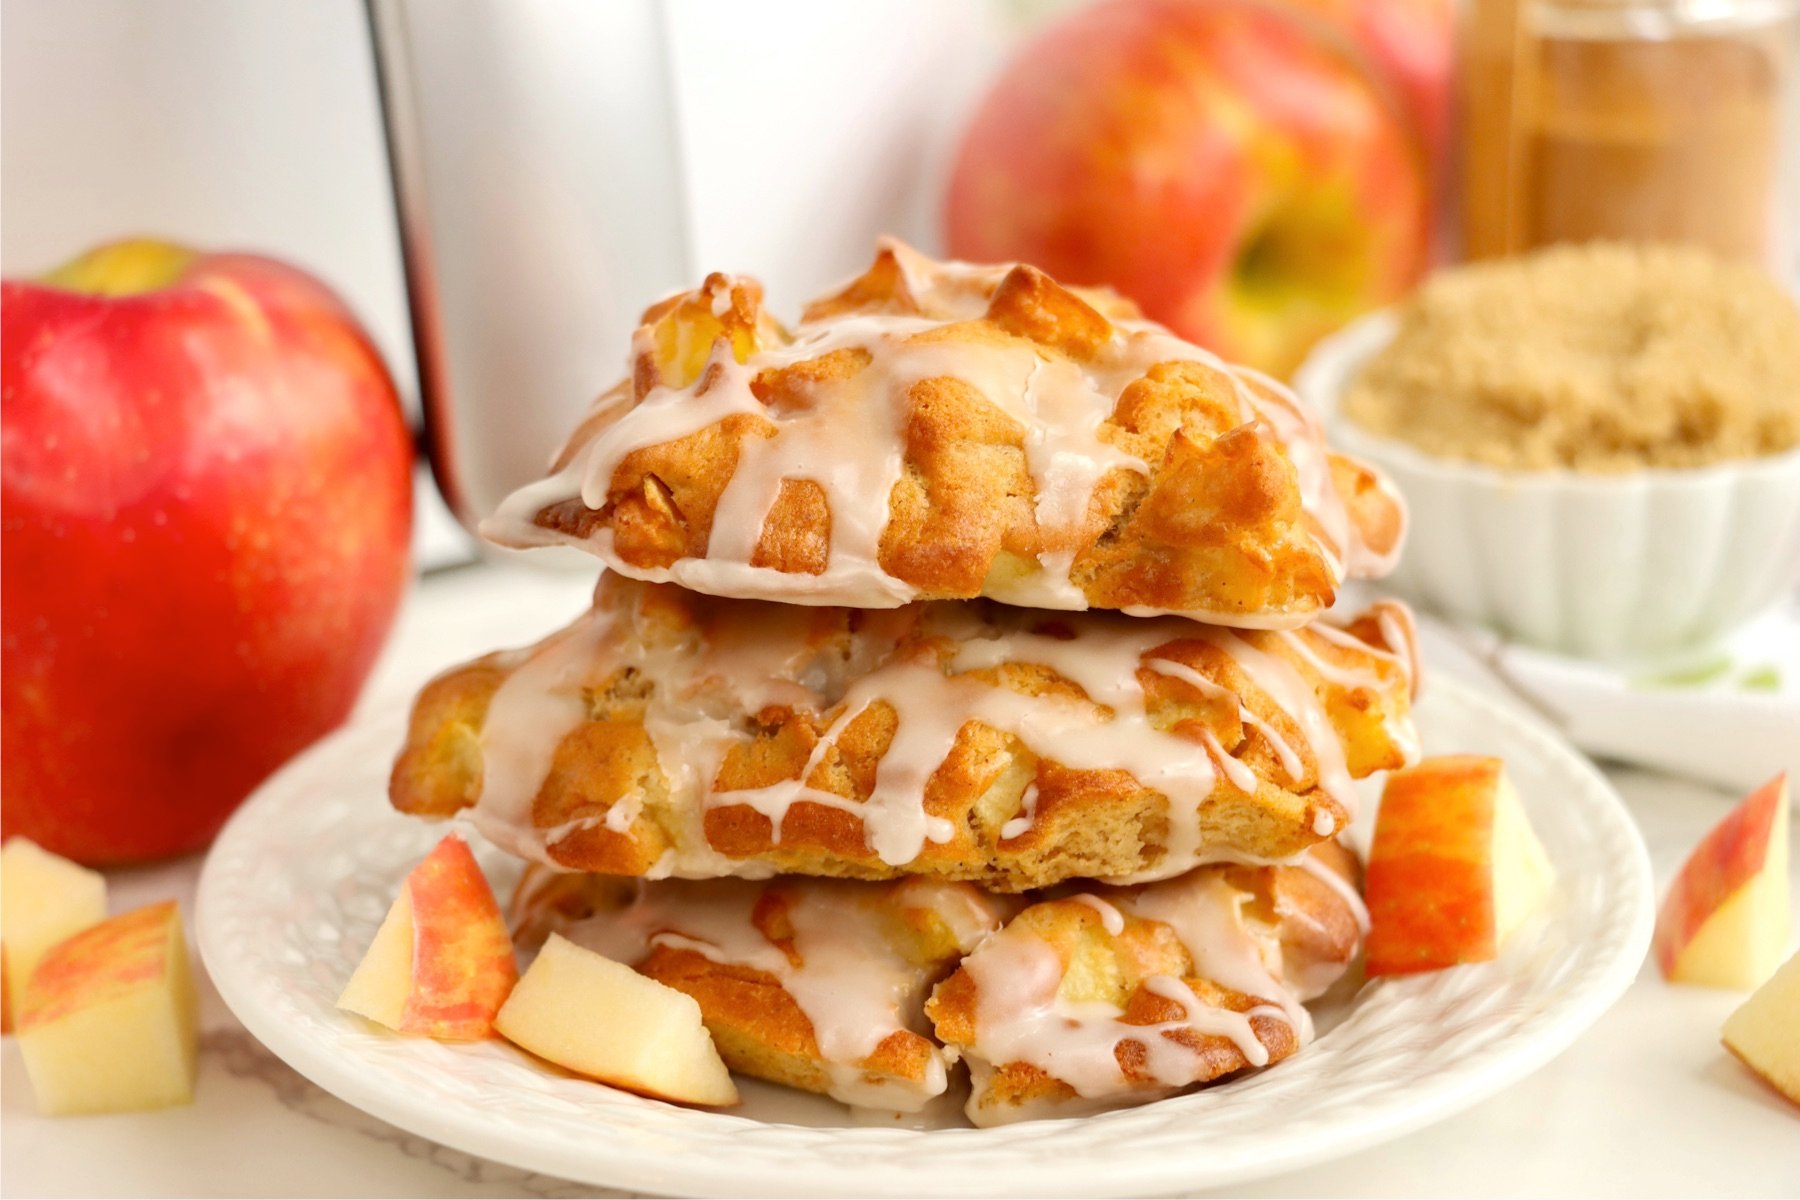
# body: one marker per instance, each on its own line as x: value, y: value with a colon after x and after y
x: 206, y: 508
x: 1225, y: 163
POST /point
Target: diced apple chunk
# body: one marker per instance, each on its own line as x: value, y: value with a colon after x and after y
x: 1523, y: 876
x: 442, y: 961
x: 1454, y: 869
x: 382, y: 980
x: 600, y: 1018
x: 1764, y: 1032
x: 108, y: 1021
x: 44, y: 898
x: 1724, y: 922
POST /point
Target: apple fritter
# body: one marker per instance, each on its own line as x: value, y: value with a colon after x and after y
x: 1076, y: 1001
x: 668, y: 733
x: 943, y: 431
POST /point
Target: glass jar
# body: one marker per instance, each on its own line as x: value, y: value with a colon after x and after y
x: 1649, y: 120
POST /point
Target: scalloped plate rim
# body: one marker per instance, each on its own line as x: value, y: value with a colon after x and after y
x: 334, y: 1065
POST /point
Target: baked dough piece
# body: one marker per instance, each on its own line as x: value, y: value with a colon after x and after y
x: 1108, y: 997
x: 668, y: 733
x: 941, y: 430
x: 817, y: 984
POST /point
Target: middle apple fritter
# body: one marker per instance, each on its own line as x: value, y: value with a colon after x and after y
x: 667, y: 733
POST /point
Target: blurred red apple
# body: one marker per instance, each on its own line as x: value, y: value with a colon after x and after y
x: 1411, y: 45
x: 1225, y: 163
x: 206, y: 504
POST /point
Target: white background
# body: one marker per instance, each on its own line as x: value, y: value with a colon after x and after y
x: 225, y: 124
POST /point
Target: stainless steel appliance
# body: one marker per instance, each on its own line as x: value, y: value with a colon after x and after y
x: 560, y: 163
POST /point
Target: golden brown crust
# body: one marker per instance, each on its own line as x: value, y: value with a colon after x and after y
x: 1213, y: 525
x: 1011, y: 818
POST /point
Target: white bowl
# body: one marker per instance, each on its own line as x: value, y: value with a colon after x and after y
x: 1600, y: 566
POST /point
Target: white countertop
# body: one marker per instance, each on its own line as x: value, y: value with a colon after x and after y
x: 1646, y: 1104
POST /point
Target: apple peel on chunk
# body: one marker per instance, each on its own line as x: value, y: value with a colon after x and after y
x: 108, y: 1021
x: 1454, y: 869
x: 596, y: 1017
x: 1724, y: 922
x: 442, y: 964
x: 1764, y: 1032
x: 44, y: 898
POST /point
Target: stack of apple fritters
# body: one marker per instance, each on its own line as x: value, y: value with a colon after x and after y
x: 966, y: 590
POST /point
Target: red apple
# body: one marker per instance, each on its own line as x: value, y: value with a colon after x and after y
x: 1454, y: 868
x: 598, y: 1017
x: 1764, y: 1032
x: 1223, y: 163
x: 206, y: 499
x: 1411, y: 46
x: 44, y: 900
x: 1724, y: 922
x: 108, y: 1020
x: 442, y: 961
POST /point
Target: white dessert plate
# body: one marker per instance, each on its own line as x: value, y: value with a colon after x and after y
x: 296, y: 885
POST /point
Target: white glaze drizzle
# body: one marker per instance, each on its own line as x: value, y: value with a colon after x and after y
x: 705, y: 689
x: 1022, y: 824
x: 1346, y: 891
x: 1401, y: 633
x: 1294, y: 696
x: 851, y: 442
x: 1207, y: 915
x: 1021, y: 1018
x: 1290, y: 761
x: 538, y: 705
x: 1021, y: 1015
x: 1111, y: 919
x: 933, y: 707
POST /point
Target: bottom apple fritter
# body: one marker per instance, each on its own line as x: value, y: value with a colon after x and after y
x: 1067, y: 1001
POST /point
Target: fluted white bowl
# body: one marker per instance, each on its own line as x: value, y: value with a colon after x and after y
x: 1600, y: 566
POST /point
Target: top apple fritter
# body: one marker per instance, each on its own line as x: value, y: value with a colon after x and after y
x: 945, y: 431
